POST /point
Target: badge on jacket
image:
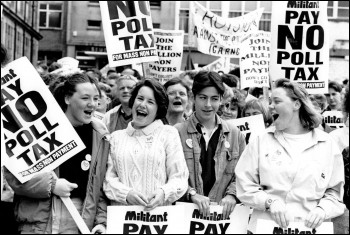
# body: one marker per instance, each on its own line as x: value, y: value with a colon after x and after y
x: 227, y: 144
x: 189, y: 143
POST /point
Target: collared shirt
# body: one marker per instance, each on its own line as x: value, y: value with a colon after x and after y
x: 269, y: 169
x: 204, y: 131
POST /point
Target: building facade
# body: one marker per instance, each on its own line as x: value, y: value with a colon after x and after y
x: 84, y: 37
x: 20, y: 29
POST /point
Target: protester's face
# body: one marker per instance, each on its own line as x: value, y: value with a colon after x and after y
x: 334, y: 98
x: 178, y: 98
x: 82, y: 104
x: 283, y: 108
x: 103, y: 102
x: 251, y: 112
x: 124, y: 90
x: 144, y: 110
x: 113, y: 84
x: 230, y: 111
x: 207, y: 103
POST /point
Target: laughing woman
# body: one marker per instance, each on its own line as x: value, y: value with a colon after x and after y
x: 292, y: 173
x: 38, y: 206
x: 178, y: 93
x: 146, y: 164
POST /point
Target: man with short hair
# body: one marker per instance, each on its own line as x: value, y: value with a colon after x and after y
x: 119, y: 117
x: 212, y: 147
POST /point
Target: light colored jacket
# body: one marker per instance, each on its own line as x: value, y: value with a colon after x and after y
x: 266, y: 169
x: 146, y: 160
x: 36, y: 208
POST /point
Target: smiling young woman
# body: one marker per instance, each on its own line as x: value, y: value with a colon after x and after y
x: 292, y: 149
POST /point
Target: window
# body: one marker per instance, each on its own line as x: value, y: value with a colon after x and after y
x: 156, y: 25
x: 338, y: 10
x: 94, y: 24
x: 154, y: 3
x: 50, y: 15
x: 265, y: 22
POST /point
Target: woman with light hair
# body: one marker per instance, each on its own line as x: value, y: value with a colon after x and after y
x: 291, y: 172
x: 256, y: 107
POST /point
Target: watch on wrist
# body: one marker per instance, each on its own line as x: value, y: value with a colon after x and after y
x: 191, y: 193
x: 269, y: 202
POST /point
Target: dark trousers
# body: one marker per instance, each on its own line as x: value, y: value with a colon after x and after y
x: 9, y: 224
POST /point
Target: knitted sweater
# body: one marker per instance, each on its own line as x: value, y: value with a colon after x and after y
x: 146, y: 160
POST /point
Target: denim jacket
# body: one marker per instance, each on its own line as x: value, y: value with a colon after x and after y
x: 230, y: 147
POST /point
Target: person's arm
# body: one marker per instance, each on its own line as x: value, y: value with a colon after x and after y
x: 231, y: 189
x: 249, y: 190
x: 176, y: 167
x: 114, y: 189
x: 40, y: 186
x: 331, y: 202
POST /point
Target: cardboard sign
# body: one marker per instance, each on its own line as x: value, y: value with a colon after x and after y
x: 270, y: 227
x: 38, y: 136
x: 251, y: 126
x: 334, y: 119
x: 128, y: 31
x: 170, y: 51
x: 195, y: 223
x: 134, y: 220
x: 300, y: 43
x: 255, y: 59
x: 218, y: 36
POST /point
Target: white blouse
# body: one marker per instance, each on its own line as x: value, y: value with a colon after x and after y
x: 146, y: 160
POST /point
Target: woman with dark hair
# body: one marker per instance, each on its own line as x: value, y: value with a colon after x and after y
x: 146, y: 164
x: 256, y: 107
x: 38, y: 205
x: 291, y: 173
x: 178, y: 93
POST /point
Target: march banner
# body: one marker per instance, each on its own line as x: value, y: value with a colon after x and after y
x: 218, y: 36
x: 128, y: 32
x: 300, y: 44
x: 255, y: 59
x: 195, y: 223
x: 270, y: 227
x: 135, y: 220
x: 37, y: 135
x: 251, y: 126
x: 334, y: 119
x: 221, y: 64
x: 169, y: 45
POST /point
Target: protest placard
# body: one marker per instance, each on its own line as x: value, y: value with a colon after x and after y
x: 135, y: 220
x: 195, y: 223
x: 218, y: 36
x: 251, y: 126
x: 216, y: 66
x: 128, y: 32
x: 334, y: 119
x: 255, y: 59
x: 270, y: 227
x: 169, y: 45
x: 299, y: 43
x: 38, y: 136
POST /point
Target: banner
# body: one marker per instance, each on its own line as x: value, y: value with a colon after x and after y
x: 251, y: 126
x: 270, y: 227
x: 300, y: 43
x: 128, y: 31
x: 334, y: 119
x: 215, y: 224
x: 218, y: 36
x: 38, y: 136
x: 169, y: 45
x: 255, y: 59
x: 134, y: 220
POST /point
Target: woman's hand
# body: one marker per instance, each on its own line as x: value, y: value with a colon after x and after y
x: 203, y: 203
x: 136, y: 199
x: 156, y: 199
x: 315, y: 218
x: 63, y: 188
x: 99, y: 229
x: 279, y: 213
